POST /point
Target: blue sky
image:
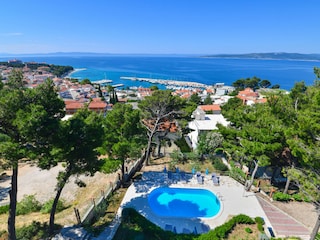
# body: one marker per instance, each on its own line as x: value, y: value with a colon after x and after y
x: 160, y: 26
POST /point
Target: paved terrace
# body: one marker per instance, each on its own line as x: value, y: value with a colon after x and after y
x: 234, y: 200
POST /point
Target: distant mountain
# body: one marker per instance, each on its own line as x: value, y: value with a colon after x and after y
x: 275, y: 55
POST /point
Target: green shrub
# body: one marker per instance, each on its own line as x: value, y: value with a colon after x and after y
x: 222, y: 231
x: 237, y: 173
x: 306, y: 199
x: 182, y: 144
x: 46, y: 207
x: 297, y: 197
x: 244, y: 219
x: 34, y: 231
x: 260, y: 223
x: 4, y: 209
x: 259, y: 220
x: 279, y: 196
x: 27, y: 205
x: 109, y: 165
x: 219, y: 165
x: 218, y: 150
x: 248, y: 230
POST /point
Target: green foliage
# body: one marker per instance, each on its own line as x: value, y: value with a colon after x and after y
x: 135, y: 226
x: 85, y: 81
x: 176, y: 155
x: 279, y: 196
x: 46, y: 207
x: 248, y: 230
x: 192, y: 156
x: 154, y: 88
x: 4, y: 209
x: 109, y: 165
x: 237, y: 173
x: 222, y: 231
x: 260, y: 222
x: 30, y: 123
x: 297, y: 197
x: 209, y: 142
x: 253, y: 83
x: 27, y: 205
x: 195, y: 98
x: 219, y: 165
x: 34, y: 231
x: 182, y: 144
x: 208, y: 100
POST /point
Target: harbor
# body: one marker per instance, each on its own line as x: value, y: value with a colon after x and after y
x: 170, y: 84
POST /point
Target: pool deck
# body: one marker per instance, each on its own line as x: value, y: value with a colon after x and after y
x: 234, y: 200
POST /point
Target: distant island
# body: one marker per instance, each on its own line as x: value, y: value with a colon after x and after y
x: 273, y: 55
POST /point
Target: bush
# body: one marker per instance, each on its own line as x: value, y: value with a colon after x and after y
x: 4, y: 209
x: 46, y: 208
x: 244, y: 219
x: 237, y: 173
x: 218, y: 150
x: 109, y: 165
x: 182, y: 144
x: 260, y: 223
x: 34, y: 231
x: 259, y: 220
x: 279, y: 196
x: 219, y: 165
x: 248, y: 230
x: 222, y: 231
x: 297, y: 197
x: 27, y: 205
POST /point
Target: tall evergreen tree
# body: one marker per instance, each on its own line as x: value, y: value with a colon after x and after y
x: 28, y: 124
x: 158, y: 108
x: 124, y: 133
x: 79, y: 138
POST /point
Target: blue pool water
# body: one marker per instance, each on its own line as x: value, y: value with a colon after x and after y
x: 183, y: 202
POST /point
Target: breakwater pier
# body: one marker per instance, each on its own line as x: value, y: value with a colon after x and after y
x: 168, y: 83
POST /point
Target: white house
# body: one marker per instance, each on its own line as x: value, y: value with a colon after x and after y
x: 203, y: 122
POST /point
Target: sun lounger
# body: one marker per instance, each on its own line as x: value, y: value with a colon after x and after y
x: 200, y: 179
x: 216, y: 181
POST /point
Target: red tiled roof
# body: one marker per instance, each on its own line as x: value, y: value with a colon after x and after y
x: 97, y: 105
x: 212, y: 107
x: 73, y: 105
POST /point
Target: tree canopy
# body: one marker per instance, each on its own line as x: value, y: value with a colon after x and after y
x: 79, y: 138
x: 28, y: 129
x: 158, y: 108
x: 124, y: 134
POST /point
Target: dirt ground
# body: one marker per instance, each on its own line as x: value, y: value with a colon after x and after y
x: 41, y: 183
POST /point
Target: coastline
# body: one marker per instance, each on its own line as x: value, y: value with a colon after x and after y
x: 74, y: 71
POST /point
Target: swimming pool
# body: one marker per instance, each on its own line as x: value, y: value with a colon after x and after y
x: 183, y: 202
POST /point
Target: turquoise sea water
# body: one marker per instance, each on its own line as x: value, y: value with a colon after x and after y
x: 195, y: 69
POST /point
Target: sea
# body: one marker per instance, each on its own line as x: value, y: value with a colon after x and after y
x: 206, y: 70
